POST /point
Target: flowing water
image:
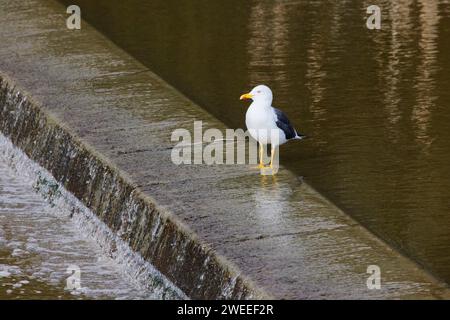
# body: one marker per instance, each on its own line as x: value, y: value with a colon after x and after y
x: 374, y: 102
x: 43, y: 253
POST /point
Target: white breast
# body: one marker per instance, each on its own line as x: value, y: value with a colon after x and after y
x: 261, y: 124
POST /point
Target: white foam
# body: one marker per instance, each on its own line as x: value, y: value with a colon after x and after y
x: 85, y: 230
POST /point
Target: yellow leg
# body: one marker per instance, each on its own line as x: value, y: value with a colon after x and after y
x: 272, y: 155
x: 261, y: 150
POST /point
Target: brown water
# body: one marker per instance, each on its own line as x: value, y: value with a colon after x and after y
x: 375, y: 102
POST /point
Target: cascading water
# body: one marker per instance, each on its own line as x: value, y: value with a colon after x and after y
x: 46, y: 235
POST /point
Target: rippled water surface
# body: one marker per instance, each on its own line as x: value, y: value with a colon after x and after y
x: 38, y: 244
x: 376, y: 103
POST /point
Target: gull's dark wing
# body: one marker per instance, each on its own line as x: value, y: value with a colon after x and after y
x: 283, y: 123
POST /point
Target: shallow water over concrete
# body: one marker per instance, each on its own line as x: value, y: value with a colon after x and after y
x: 39, y: 243
x: 374, y: 102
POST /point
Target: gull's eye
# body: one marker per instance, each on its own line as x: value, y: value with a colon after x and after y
x: 259, y: 91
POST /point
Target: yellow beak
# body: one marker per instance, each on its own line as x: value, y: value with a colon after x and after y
x: 246, y: 96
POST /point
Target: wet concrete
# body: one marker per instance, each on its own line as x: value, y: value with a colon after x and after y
x: 39, y: 242
x: 101, y: 123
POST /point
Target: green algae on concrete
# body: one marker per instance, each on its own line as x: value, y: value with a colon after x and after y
x: 101, y: 123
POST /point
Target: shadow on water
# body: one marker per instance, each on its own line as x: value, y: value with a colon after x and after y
x: 374, y: 102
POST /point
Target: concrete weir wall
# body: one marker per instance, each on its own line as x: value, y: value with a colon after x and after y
x: 154, y: 233
x: 100, y: 122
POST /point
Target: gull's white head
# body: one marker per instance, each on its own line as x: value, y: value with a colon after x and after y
x: 259, y: 93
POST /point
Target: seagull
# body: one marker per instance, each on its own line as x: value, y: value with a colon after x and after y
x: 266, y: 124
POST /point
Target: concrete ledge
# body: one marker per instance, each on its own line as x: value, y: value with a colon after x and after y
x: 149, y: 230
x: 101, y: 122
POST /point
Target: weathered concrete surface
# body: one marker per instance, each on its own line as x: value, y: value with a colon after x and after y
x: 101, y: 123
